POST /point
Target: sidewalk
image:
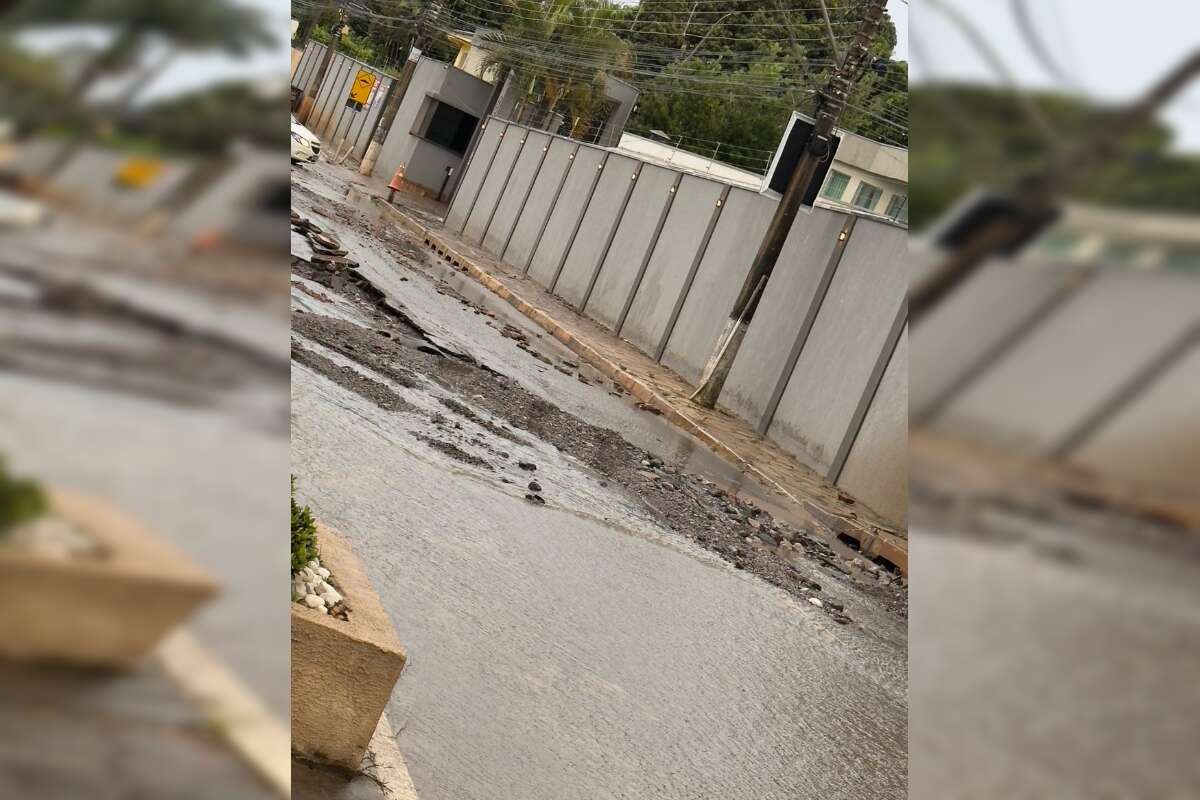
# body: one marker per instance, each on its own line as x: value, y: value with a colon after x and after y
x: 658, y: 388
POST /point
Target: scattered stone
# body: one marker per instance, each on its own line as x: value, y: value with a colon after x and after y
x: 536, y: 499
x: 528, y: 466
x: 816, y: 601
x: 534, y: 486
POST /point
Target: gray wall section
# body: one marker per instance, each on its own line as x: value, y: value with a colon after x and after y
x: 565, y: 215
x: 846, y: 341
x: 991, y: 306
x: 511, y: 142
x: 1155, y: 441
x: 571, y: 228
x: 1067, y: 367
x: 607, y: 200
x: 876, y: 471
x: 786, y: 300
x: 673, y: 256
x: 630, y: 244
x: 518, y: 186
x: 722, y: 272
x: 473, y: 180
x: 541, y: 197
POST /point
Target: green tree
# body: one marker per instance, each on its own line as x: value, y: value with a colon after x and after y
x: 971, y: 136
x: 537, y: 46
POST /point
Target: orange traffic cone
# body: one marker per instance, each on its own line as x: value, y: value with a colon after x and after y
x: 396, y: 183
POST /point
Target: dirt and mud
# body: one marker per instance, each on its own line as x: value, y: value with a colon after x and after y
x: 395, y: 347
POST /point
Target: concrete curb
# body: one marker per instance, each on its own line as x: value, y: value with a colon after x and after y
x: 243, y: 721
x: 872, y: 541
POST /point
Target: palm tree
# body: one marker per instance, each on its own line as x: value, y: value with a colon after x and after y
x: 182, y: 25
x: 539, y: 45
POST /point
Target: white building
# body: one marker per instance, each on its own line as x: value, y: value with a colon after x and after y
x: 866, y: 176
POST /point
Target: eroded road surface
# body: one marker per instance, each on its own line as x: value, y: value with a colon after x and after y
x: 590, y: 610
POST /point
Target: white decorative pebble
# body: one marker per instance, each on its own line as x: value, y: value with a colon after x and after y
x: 314, y: 601
x: 321, y: 571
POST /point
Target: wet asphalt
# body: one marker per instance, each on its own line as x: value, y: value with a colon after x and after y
x: 575, y: 649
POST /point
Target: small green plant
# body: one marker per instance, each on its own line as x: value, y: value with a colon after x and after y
x: 304, y: 534
x: 21, y: 500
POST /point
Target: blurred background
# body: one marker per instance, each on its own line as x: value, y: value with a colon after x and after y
x: 1053, y: 386
x: 144, y: 397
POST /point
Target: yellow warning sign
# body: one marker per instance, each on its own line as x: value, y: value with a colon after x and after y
x: 139, y: 172
x: 360, y: 90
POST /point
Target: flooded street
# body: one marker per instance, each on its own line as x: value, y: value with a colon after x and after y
x: 588, y: 610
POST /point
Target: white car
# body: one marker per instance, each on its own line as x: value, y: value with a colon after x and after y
x: 20, y: 212
x: 305, y: 144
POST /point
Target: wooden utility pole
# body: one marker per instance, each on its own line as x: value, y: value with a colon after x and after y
x: 397, y: 91
x: 1036, y: 200
x: 310, y: 94
x: 830, y: 102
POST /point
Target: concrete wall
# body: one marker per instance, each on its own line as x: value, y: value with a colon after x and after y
x: 527, y: 231
x: 631, y: 243
x: 565, y: 216
x: 472, y: 180
x: 331, y: 119
x: 599, y: 224
x: 669, y: 250
x: 1060, y: 371
x: 675, y: 254
x: 787, y: 311
x: 876, y: 470
x: 743, y: 222
x: 849, y: 333
x: 496, y: 181
x: 520, y: 181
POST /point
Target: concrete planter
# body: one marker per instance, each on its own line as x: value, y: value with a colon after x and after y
x: 342, y: 671
x: 107, y: 612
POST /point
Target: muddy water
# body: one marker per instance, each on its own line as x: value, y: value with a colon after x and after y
x: 575, y: 649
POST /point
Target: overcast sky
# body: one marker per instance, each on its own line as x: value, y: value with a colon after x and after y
x: 1109, y: 51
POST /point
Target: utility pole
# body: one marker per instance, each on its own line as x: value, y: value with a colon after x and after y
x: 1036, y: 200
x: 830, y: 102
x: 396, y: 92
x: 310, y: 94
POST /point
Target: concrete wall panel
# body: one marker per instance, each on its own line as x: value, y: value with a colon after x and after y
x: 665, y: 274
x: 565, y: 215
x: 630, y: 244
x: 509, y: 207
x: 722, y: 272
x: 989, y: 307
x: 849, y: 333
x: 541, y: 198
x: 489, y: 140
x: 876, y: 471
x: 1060, y: 373
x: 781, y: 313
x: 512, y: 140
x: 1155, y: 441
x: 616, y: 181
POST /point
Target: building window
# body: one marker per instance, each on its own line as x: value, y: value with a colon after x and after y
x: 835, y: 185
x: 867, y: 196
x: 447, y: 126
x: 898, y: 208
x: 1059, y: 243
x: 1122, y: 252
x: 1185, y: 258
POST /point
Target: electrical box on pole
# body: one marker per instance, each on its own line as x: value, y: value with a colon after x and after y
x: 787, y: 157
